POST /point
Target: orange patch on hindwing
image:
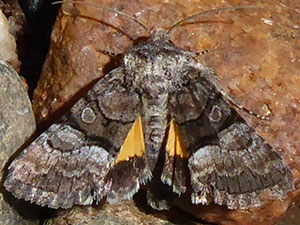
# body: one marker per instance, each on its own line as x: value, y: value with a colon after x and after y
x: 174, y: 146
x: 134, y: 144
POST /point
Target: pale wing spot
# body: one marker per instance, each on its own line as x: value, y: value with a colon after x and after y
x: 215, y: 114
x: 88, y: 116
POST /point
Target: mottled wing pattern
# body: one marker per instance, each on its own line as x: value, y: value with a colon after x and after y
x: 237, y: 169
x: 58, y: 176
x: 130, y: 168
x: 72, y: 161
x: 229, y: 163
x: 186, y: 106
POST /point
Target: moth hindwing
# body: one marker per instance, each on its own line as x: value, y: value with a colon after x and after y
x: 160, y: 117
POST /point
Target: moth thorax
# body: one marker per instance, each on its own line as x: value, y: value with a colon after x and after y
x: 170, y: 71
x: 164, y: 72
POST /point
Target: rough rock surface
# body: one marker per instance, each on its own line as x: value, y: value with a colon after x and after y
x: 7, y: 43
x: 16, y: 18
x: 292, y: 216
x: 255, y: 52
x: 125, y: 214
x: 17, y: 124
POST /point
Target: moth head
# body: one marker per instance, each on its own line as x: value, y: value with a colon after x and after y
x: 157, y: 65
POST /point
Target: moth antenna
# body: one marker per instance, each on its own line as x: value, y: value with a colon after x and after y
x: 240, y: 107
x: 214, y: 81
x: 108, y: 9
x: 205, y: 51
x: 210, y: 11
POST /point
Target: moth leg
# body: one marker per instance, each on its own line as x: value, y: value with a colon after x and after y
x: 159, y: 195
x: 197, y: 54
x: 106, y: 52
x: 213, y: 79
x: 240, y: 107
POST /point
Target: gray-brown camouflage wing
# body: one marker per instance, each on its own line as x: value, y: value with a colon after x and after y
x: 67, y: 164
x: 194, y: 108
x: 236, y: 169
x: 229, y: 164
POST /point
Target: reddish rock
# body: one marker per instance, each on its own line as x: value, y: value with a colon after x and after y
x: 255, y: 52
x: 269, y: 214
x: 292, y: 215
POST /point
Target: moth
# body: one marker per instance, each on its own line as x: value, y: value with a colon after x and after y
x: 160, y: 119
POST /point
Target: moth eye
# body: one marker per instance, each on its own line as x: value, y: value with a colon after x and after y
x: 88, y: 116
x: 215, y: 114
x: 168, y: 74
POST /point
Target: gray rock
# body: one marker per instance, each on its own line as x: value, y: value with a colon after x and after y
x: 17, y: 124
x: 123, y: 214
